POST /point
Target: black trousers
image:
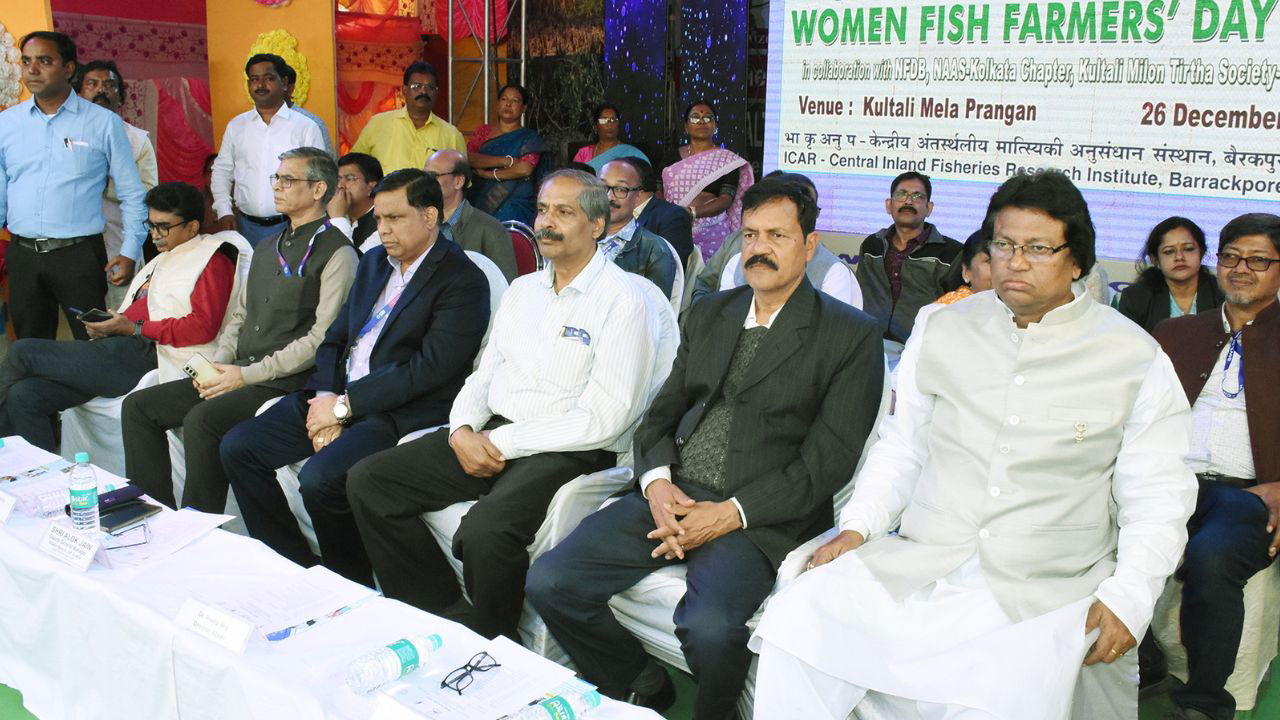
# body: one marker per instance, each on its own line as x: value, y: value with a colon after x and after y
x: 147, y: 414
x: 253, y: 450
x: 40, y: 283
x: 728, y: 579
x: 40, y: 378
x: 388, y: 492
x: 1227, y: 545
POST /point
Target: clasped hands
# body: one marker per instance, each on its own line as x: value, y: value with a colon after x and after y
x: 322, y: 425
x: 683, y: 524
x: 476, y: 453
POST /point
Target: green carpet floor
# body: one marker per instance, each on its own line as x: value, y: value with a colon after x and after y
x: 1268, y: 702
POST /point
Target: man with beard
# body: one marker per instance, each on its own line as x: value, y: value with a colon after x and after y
x: 770, y: 400
x: 628, y: 245
x: 1234, y: 531
x: 100, y: 82
x: 251, y: 147
x: 406, y: 137
x: 57, y: 151
x: 908, y: 264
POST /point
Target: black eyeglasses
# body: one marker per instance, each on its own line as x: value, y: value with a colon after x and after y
x: 621, y: 191
x: 159, y: 229
x: 460, y: 679
x: 1256, y: 263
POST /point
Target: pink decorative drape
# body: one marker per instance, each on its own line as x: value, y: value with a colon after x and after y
x: 165, y: 66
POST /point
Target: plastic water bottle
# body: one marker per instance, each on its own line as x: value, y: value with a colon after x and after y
x: 84, y: 495
x: 392, y: 662
x: 560, y: 707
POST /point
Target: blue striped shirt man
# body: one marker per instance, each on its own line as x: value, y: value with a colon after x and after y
x: 54, y: 169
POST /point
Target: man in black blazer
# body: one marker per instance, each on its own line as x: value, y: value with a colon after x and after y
x: 763, y: 418
x: 660, y: 217
x: 391, y: 363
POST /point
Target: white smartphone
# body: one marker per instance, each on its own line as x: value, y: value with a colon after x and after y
x: 201, y: 370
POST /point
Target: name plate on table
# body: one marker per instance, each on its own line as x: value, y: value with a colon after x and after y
x: 217, y: 625
x: 7, y: 502
x: 69, y: 546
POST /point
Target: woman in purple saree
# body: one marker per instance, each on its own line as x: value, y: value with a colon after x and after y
x: 707, y: 180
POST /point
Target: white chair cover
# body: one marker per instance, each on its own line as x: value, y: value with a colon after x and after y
x: 94, y: 427
x: 677, y: 287
x: 1257, y: 641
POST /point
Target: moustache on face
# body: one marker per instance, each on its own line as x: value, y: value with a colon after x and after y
x: 548, y: 234
x: 102, y: 99
x: 760, y: 260
x: 423, y: 96
x: 907, y: 208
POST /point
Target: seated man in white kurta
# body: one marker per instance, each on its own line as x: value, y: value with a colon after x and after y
x: 1034, y: 470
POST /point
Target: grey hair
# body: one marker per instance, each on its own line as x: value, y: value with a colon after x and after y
x: 594, y: 199
x: 321, y: 167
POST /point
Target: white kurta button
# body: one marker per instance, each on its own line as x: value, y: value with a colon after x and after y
x: 1013, y: 336
x: 1004, y: 449
x: 995, y: 492
x: 1018, y: 379
x: 1014, y: 419
x: 984, y: 533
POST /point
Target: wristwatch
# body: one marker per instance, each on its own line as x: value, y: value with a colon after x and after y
x: 137, y: 328
x: 342, y: 411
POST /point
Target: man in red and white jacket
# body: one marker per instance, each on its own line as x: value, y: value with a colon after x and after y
x: 181, y: 303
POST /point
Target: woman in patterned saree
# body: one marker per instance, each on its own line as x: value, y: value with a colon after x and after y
x: 505, y: 156
x: 707, y: 180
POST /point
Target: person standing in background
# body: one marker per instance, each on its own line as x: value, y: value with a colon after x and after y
x: 100, y: 82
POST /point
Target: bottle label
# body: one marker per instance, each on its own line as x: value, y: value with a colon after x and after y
x: 408, y: 655
x: 84, y: 498
x: 558, y: 708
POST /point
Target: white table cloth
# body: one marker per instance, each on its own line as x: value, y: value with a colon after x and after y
x: 104, y: 643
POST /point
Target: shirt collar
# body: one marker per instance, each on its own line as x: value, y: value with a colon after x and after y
x: 306, y: 229
x: 71, y: 105
x: 625, y: 234
x: 640, y: 208
x: 413, y: 266
x: 583, y: 281
x: 404, y: 113
x: 1063, y: 313
x: 1226, y: 324
x: 457, y: 213
x: 751, y: 321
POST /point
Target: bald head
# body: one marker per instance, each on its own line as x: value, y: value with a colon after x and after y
x: 453, y: 172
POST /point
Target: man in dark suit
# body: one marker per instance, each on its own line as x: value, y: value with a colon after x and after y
x: 1219, y: 354
x: 664, y: 219
x: 762, y: 419
x: 391, y: 363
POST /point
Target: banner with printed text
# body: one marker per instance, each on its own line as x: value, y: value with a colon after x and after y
x: 1153, y: 107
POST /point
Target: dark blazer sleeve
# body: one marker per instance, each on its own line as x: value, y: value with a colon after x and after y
x: 661, y: 266
x: 459, y: 316
x: 654, y: 444
x: 835, y: 440
x: 1135, y: 304
x: 496, y: 245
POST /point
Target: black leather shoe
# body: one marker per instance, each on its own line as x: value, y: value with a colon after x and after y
x: 1186, y: 714
x: 659, y: 701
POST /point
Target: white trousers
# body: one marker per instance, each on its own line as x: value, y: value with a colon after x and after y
x: 796, y: 689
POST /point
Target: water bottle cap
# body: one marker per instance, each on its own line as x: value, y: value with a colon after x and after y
x: 82, y: 457
x: 592, y: 698
x: 1, y: 442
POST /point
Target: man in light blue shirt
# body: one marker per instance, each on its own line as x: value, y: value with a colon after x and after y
x: 56, y: 152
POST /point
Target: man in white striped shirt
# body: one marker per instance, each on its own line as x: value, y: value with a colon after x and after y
x: 559, y: 387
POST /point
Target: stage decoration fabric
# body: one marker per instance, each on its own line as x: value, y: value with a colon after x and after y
x: 9, y: 72
x: 280, y: 42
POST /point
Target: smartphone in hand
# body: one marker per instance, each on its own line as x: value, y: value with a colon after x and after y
x: 201, y: 370
x: 93, y: 315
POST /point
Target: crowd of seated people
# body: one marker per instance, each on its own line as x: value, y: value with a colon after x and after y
x: 1048, y: 462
